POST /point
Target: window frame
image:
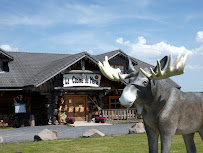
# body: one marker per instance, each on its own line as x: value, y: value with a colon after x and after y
x: 117, y: 66
x: 114, y: 103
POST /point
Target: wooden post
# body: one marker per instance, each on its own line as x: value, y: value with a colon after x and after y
x: 29, y: 105
x: 124, y: 114
x: 107, y: 117
x: 32, y: 120
x: 102, y: 113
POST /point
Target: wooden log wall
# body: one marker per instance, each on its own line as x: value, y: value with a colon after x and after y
x: 105, y: 100
x: 6, y: 102
x: 36, y: 105
x: 38, y: 108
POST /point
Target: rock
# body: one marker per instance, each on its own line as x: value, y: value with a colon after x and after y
x: 93, y: 133
x: 1, y: 140
x: 137, y: 128
x: 46, y: 135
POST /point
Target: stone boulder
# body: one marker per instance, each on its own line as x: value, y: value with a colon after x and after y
x: 137, y: 128
x: 1, y: 140
x: 46, y: 135
x: 93, y: 133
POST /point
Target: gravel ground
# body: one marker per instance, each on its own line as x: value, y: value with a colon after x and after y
x: 27, y: 133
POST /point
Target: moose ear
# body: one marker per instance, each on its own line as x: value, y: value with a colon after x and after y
x: 129, y: 66
x: 162, y: 63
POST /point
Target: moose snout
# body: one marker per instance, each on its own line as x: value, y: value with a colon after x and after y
x: 127, y: 101
x: 128, y: 96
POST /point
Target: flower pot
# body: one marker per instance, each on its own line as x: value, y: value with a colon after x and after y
x: 71, y: 122
x: 97, y: 121
x: 102, y: 120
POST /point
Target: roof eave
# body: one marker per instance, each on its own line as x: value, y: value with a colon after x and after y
x: 11, y: 88
x: 122, y: 53
x: 6, y: 54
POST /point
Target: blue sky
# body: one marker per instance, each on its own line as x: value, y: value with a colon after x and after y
x: 147, y: 30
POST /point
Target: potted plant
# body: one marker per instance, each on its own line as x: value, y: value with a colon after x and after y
x: 69, y: 120
x: 100, y: 119
x: 63, y: 117
x: 3, y: 124
x: 97, y: 120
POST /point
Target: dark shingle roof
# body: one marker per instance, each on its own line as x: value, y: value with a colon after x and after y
x: 37, y: 68
x: 57, y: 67
x: 110, y: 55
x: 25, y: 66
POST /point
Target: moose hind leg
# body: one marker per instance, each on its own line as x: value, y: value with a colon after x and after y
x: 189, y: 142
x: 201, y: 133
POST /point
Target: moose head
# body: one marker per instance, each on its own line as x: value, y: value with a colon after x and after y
x: 139, y: 88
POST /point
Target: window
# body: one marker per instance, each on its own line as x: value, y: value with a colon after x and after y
x: 114, y: 102
x: 5, y: 67
x: 121, y: 67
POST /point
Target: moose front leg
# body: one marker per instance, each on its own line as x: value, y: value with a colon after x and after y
x: 153, y: 136
x: 167, y: 132
x: 166, y: 141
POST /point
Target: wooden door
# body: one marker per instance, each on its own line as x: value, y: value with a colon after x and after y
x: 76, y: 106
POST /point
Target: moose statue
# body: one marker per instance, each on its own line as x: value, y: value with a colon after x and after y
x: 166, y: 110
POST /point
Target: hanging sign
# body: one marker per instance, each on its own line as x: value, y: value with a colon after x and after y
x: 92, y: 80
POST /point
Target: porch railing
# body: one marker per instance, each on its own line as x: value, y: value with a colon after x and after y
x: 119, y: 114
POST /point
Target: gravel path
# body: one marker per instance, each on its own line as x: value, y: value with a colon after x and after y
x: 27, y: 133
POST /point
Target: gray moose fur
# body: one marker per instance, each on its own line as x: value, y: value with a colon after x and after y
x: 166, y: 110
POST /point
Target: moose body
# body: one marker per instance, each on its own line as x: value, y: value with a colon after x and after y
x: 166, y: 110
x: 171, y: 112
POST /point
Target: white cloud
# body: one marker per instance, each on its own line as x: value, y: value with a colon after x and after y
x: 194, y: 67
x: 82, y: 41
x: 90, y: 51
x: 8, y: 48
x: 198, y: 51
x: 141, y: 48
x: 120, y: 41
x: 199, y: 36
x: 65, y: 13
x: 97, y: 14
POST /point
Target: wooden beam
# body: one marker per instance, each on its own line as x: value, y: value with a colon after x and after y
x: 83, y: 64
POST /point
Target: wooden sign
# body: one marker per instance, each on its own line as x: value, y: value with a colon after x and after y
x: 91, y: 80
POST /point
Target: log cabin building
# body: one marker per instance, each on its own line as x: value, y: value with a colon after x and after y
x: 47, y: 85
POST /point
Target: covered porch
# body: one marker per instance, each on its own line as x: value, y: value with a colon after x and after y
x: 80, y: 103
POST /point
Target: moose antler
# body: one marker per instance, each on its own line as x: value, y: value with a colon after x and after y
x: 109, y: 72
x: 171, y: 70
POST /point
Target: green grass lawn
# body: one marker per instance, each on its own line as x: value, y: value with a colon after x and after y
x: 126, y: 143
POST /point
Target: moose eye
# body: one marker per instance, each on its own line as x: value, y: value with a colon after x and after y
x: 145, y: 83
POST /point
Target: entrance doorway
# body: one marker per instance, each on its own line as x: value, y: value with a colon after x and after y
x: 76, y: 106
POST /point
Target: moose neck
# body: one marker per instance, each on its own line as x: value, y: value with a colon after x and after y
x: 162, y: 90
x: 160, y: 93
